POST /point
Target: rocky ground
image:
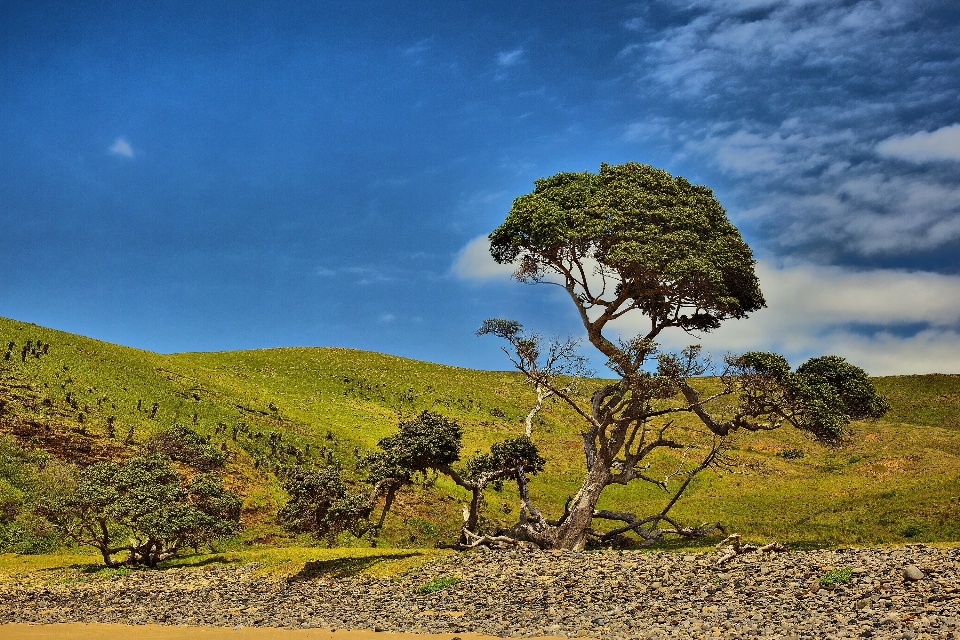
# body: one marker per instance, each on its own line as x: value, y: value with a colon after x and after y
x: 526, y: 592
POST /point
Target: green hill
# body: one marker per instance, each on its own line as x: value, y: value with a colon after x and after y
x: 897, y: 479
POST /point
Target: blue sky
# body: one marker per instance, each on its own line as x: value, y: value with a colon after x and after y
x: 210, y: 176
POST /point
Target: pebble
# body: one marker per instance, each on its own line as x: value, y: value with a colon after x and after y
x: 525, y: 592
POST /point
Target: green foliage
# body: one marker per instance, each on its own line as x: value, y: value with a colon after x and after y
x: 145, y: 508
x: 27, y: 477
x: 518, y: 453
x: 322, y: 504
x: 183, y: 444
x: 439, y: 584
x: 427, y: 442
x: 836, y: 576
x: 668, y: 242
x: 821, y: 397
x: 850, y: 383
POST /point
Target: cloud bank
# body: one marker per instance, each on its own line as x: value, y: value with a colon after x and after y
x: 888, y: 321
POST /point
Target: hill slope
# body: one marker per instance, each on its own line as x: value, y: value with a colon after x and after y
x: 897, y: 479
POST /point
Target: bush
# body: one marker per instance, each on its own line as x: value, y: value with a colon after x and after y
x: 320, y: 503
x: 28, y: 477
x: 28, y: 534
x: 439, y: 584
x: 185, y: 445
x: 836, y: 576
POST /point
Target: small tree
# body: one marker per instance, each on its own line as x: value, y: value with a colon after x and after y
x: 634, y: 240
x: 431, y: 442
x: 145, y: 508
x: 322, y: 503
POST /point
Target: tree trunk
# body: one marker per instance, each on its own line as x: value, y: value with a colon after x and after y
x: 473, y: 517
x: 572, y: 532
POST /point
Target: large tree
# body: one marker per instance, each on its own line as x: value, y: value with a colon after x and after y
x: 632, y: 240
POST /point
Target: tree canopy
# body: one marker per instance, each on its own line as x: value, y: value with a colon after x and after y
x: 144, y: 507
x: 633, y: 237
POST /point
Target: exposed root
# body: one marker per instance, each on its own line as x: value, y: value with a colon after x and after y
x: 494, y: 542
x: 738, y: 548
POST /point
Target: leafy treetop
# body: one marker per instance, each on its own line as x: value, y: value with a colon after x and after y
x: 632, y: 237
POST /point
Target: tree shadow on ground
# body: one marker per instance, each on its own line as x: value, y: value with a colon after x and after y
x: 345, y: 567
x: 195, y: 561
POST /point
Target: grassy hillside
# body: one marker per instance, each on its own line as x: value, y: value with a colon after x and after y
x: 897, y: 479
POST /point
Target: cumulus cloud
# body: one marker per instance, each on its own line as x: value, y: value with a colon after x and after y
x: 121, y: 147
x: 509, y: 58
x: 885, y: 320
x: 474, y: 262
x: 942, y: 144
x: 888, y: 321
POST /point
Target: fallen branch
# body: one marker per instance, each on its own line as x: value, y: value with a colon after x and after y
x: 738, y: 548
x: 473, y: 541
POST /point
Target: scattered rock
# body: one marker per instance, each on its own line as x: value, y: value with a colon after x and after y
x: 912, y: 572
x: 524, y: 592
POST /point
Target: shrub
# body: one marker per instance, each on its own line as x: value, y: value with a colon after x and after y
x: 185, y: 445
x: 836, y: 576
x: 439, y: 584
x: 27, y: 478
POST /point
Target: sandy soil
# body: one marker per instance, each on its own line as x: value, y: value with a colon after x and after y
x: 83, y: 631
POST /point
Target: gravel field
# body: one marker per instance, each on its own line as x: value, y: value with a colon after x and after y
x: 526, y: 592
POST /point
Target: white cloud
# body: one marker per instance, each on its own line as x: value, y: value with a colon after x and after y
x: 509, y: 58
x: 121, y: 147
x: 871, y: 214
x: 816, y: 189
x: 942, y: 144
x: 474, y: 262
x: 388, y: 317
x: 791, y: 150
x: 859, y: 314
x: 863, y: 315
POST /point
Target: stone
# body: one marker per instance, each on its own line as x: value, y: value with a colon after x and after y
x: 913, y: 573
